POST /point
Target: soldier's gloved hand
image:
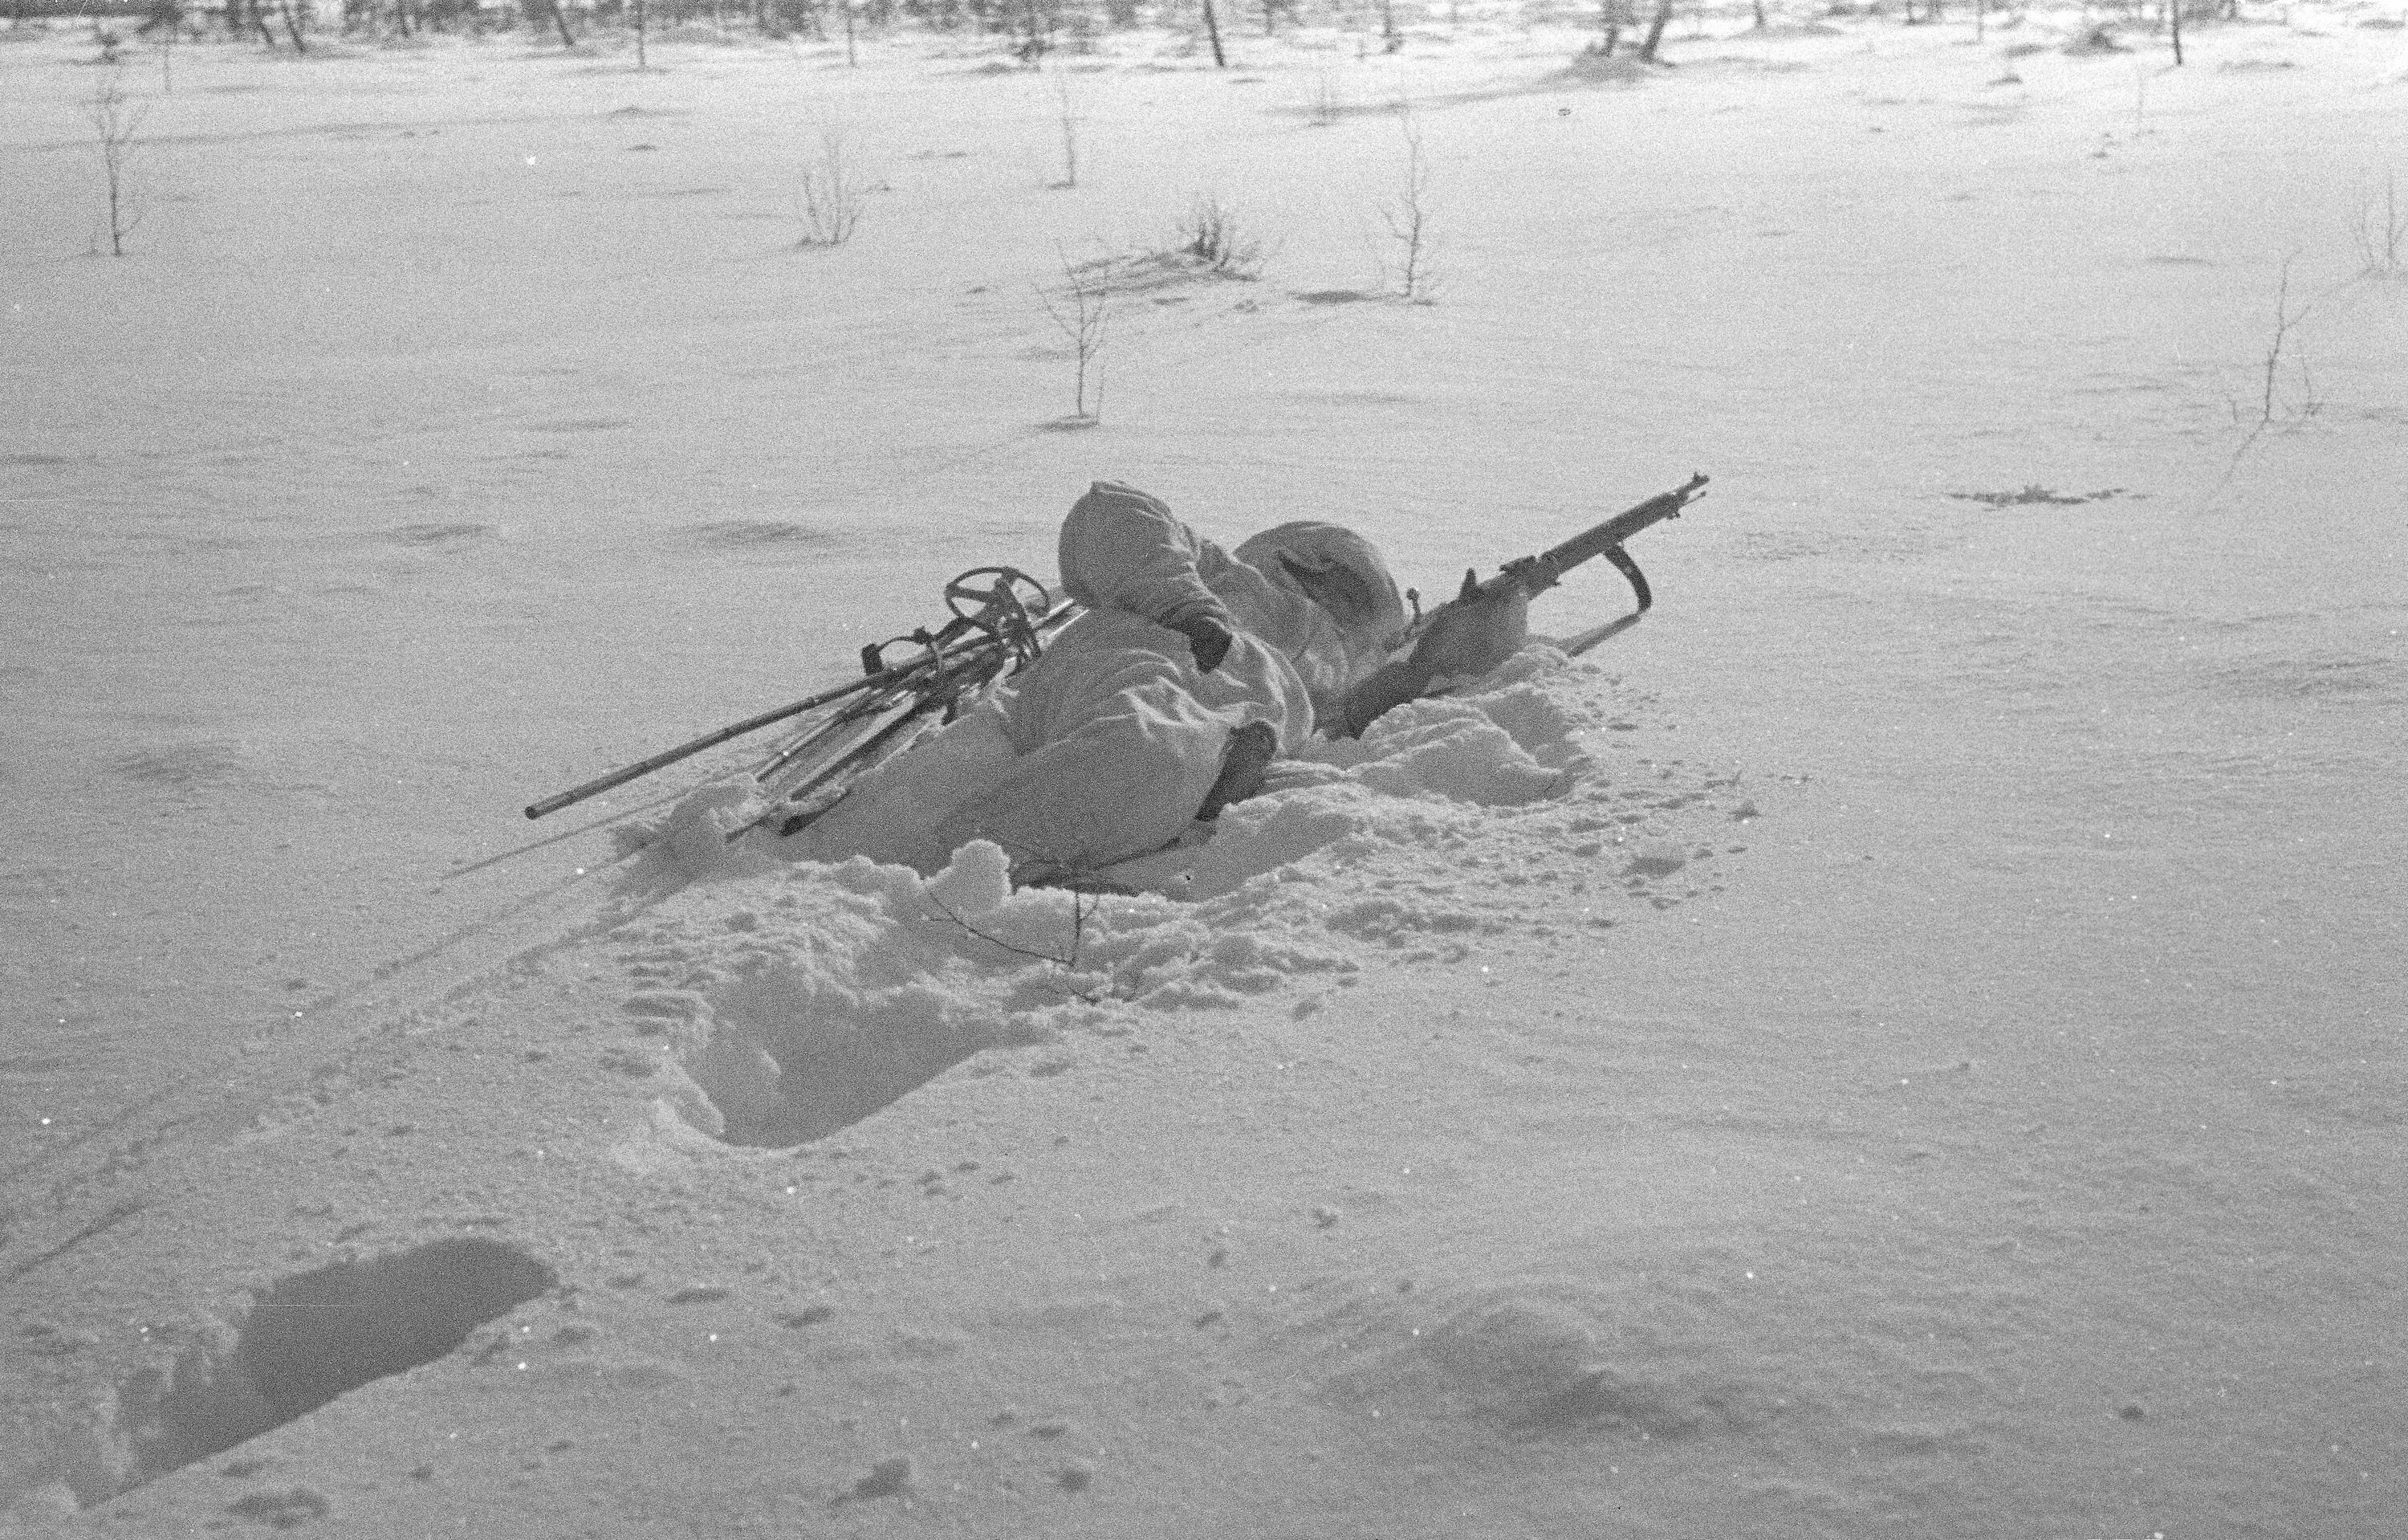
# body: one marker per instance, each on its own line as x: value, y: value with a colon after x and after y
x: 1208, y: 639
x: 1471, y: 639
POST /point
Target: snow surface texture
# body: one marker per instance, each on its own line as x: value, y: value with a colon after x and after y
x: 1936, y: 1071
x: 807, y: 997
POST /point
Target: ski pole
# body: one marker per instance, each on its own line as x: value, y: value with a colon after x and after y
x: 684, y: 751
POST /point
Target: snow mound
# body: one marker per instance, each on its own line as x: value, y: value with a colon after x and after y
x: 1571, y: 1360
x: 799, y: 997
x: 1511, y: 740
x: 809, y: 997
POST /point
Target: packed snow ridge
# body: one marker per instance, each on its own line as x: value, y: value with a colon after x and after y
x: 794, y: 999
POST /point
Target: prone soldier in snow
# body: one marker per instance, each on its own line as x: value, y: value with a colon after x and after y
x: 1192, y: 670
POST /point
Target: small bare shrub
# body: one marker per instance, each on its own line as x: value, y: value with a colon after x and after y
x: 2098, y: 38
x: 1070, y: 137
x: 1408, y: 217
x: 2286, y: 321
x: 2382, y: 231
x: 832, y: 193
x: 1211, y: 235
x: 1084, y: 309
x: 2270, y: 398
x: 1325, y: 103
x: 116, y: 121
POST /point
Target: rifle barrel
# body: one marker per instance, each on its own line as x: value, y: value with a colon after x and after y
x: 1594, y: 541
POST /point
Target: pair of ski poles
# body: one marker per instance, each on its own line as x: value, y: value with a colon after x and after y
x: 1000, y: 619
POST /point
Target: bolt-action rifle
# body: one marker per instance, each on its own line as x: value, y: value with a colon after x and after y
x: 1532, y: 575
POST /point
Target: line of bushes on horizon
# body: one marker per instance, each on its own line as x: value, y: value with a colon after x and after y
x: 1046, y: 24
x: 1029, y: 29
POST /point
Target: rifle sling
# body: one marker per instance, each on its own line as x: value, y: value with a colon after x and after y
x: 1629, y: 568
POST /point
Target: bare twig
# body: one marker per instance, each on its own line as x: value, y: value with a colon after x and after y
x: 1324, y: 100
x: 1084, y: 907
x: 1407, y: 215
x: 2285, y: 320
x: 1070, y: 137
x: 832, y: 193
x: 1082, y: 321
x: 2379, y: 244
x: 116, y: 121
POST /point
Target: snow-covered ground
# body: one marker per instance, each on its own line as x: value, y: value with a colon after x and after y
x: 1938, y: 1072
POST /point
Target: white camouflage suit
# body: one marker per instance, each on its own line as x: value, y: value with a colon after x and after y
x: 1105, y: 747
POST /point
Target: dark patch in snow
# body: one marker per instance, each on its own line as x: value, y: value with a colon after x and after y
x: 2311, y: 678
x: 1149, y: 271
x: 438, y: 534
x: 2034, y: 492
x: 886, y: 1479
x: 1334, y: 296
x: 744, y: 534
x: 1596, y: 69
x: 578, y: 424
x: 1741, y: 62
x: 32, y: 459
x: 2099, y: 38
x: 1362, y: 397
x: 283, y: 1509
x: 211, y: 762
x: 2180, y: 262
